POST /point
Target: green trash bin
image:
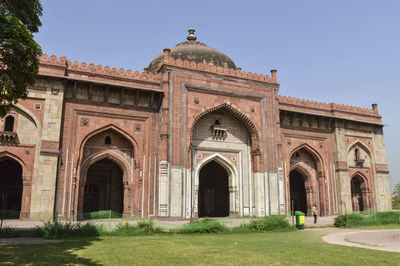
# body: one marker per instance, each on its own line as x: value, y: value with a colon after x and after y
x: 299, y: 219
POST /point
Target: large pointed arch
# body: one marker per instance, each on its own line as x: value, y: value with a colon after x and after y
x: 125, y: 134
x: 233, y: 181
x: 370, y: 188
x: 219, y: 158
x: 248, y: 124
x: 7, y: 155
x: 316, y: 179
x: 362, y: 176
x: 126, y: 172
x: 302, y: 168
x: 364, y: 192
x: 310, y: 149
x: 25, y: 180
x: 105, y: 128
x: 29, y: 114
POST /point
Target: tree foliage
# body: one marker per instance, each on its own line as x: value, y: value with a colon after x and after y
x: 396, y: 191
x: 396, y: 197
x: 19, y: 63
x: 396, y: 203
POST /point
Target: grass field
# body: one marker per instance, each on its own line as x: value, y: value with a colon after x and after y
x: 299, y: 247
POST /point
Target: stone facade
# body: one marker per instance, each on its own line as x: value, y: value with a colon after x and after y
x: 161, y: 127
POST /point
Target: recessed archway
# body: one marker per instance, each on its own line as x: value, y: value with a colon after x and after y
x: 11, y: 188
x: 359, y: 191
x: 104, y: 188
x: 298, y: 196
x: 309, y: 164
x: 213, y: 191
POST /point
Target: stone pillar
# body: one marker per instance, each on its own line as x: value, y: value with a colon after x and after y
x: 26, y: 198
x: 322, y: 194
x: 365, y: 194
x: 163, y: 179
x: 232, y: 200
x: 310, y: 199
x: 341, y: 168
x: 76, y: 204
x: 127, y: 199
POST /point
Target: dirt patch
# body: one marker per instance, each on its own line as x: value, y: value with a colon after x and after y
x: 26, y: 241
x: 396, y: 237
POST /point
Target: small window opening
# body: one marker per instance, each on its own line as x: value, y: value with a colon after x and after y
x: 107, y: 140
x: 9, y: 123
x: 217, y: 123
x: 297, y: 154
x: 356, y: 154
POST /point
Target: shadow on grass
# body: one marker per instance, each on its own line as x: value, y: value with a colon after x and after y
x: 47, y: 254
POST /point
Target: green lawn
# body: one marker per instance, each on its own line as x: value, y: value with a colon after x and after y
x: 299, y: 247
x: 379, y: 226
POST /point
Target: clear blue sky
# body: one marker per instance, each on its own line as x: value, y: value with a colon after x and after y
x: 332, y: 51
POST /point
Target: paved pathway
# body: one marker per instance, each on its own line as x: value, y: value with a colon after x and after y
x: 386, y: 240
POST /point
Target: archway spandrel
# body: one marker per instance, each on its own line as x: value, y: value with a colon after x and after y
x: 248, y: 124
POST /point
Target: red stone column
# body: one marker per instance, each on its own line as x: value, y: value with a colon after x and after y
x: 26, y: 198
x: 127, y: 199
x: 322, y: 194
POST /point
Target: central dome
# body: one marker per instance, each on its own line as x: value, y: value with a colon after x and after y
x: 193, y: 50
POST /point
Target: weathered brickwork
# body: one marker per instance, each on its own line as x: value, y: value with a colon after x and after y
x: 161, y: 127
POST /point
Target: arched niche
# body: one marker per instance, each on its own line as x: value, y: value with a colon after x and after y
x: 103, y: 189
x: 14, y: 188
x: 108, y: 143
x: 308, y: 162
x: 358, y: 155
x: 229, y: 178
x: 360, y: 193
x: 221, y: 132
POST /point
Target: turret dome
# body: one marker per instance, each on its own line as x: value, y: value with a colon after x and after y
x: 192, y: 50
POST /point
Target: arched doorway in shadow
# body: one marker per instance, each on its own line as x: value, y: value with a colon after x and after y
x: 357, y: 195
x: 103, y: 188
x: 10, y: 188
x: 213, y: 191
x: 298, y: 196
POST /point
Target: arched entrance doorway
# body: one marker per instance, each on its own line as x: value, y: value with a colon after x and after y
x: 298, y: 196
x: 103, y: 188
x: 357, y: 197
x: 213, y: 191
x: 10, y: 188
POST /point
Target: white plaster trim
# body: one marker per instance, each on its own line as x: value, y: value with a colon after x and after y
x: 70, y: 186
x: 65, y: 183
x: 142, y: 176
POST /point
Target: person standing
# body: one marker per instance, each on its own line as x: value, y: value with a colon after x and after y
x: 314, y: 213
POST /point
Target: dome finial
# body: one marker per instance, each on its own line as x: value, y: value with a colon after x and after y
x: 191, y: 36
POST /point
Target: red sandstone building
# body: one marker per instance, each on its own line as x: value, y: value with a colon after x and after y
x: 191, y: 136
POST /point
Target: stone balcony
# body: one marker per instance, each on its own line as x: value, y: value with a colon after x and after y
x: 218, y: 132
x: 359, y: 162
x: 8, y: 138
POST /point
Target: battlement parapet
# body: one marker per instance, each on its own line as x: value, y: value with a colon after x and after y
x: 76, y: 69
x: 327, y: 106
x: 205, y: 67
